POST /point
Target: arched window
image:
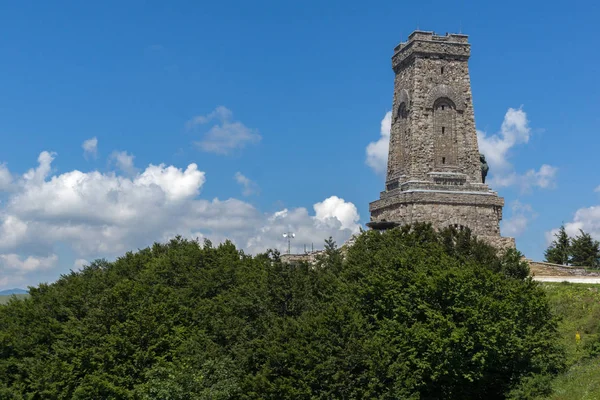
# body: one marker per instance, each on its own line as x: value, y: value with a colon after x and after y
x: 444, y: 132
x: 402, y: 132
x: 402, y: 111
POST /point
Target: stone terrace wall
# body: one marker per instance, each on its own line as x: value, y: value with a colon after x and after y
x: 548, y: 269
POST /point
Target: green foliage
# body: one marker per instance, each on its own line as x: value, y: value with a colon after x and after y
x: 532, y: 387
x: 581, y: 251
x: 585, y: 251
x: 8, y: 297
x: 578, y: 307
x: 560, y: 249
x: 581, y: 381
x: 445, y: 315
x: 408, y: 313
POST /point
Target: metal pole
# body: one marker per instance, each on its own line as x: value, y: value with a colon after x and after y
x: 289, y: 236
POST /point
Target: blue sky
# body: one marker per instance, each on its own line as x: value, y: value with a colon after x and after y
x: 269, y: 107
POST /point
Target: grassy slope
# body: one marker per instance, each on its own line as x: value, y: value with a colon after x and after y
x: 5, y: 298
x: 579, y: 306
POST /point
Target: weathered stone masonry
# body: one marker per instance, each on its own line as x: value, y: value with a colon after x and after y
x: 434, y: 170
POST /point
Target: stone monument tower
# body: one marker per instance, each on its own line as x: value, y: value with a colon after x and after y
x: 434, y: 171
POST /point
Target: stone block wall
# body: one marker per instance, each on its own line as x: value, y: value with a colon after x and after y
x: 483, y: 220
x: 434, y: 171
x: 429, y: 68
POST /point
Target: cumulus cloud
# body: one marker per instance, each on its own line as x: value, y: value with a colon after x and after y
x: 221, y: 113
x: 92, y: 215
x: 514, y: 131
x: 333, y: 217
x: 6, y: 178
x: 29, y: 264
x: 587, y: 219
x: 90, y: 148
x: 225, y: 135
x: 124, y: 162
x: 377, y: 152
x: 340, y: 210
x: 106, y: 198
x: 14, y: 268
x: 517, y: 223
x: 248, y: 186
x: 36, y: 175
x: 544, y: 178
x: 79, y: 263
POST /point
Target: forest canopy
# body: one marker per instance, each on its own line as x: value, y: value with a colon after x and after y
x: 408, y: 313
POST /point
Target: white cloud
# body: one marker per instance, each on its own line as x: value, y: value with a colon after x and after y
x: 13, y: 232
x: 124, y: 162
x: 15, y: 269
x: 90, y: 215
x: 6, y: 179
x: 336, y: 208
x: 333, y: 217
x: 544, y: 178
x: 39, y: 174
x: 12, y: 281
x: 522, y: 215
x: 248, y: 186
x: 221, y: 113
x: 226, y: 135
x: 377, y: 152
x: 587, y: 219
x: 515, y: 130
x: 106, y: 198
x: 79, y: 264
x: 90, y: 147
x: 29, y: 264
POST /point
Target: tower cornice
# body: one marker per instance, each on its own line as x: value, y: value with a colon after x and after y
x: 428, y: 44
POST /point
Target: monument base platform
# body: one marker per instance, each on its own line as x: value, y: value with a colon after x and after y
x: 480, y: 211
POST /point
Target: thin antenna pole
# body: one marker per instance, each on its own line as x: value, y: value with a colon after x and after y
x: 289, y: 236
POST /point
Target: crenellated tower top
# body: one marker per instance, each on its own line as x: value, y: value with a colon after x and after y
x: 424, y: 44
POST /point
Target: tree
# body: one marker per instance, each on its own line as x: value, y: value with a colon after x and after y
x: 409, y: 313
x: 450, y: 319
x: 560, y: 249
x: 585, y: 251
